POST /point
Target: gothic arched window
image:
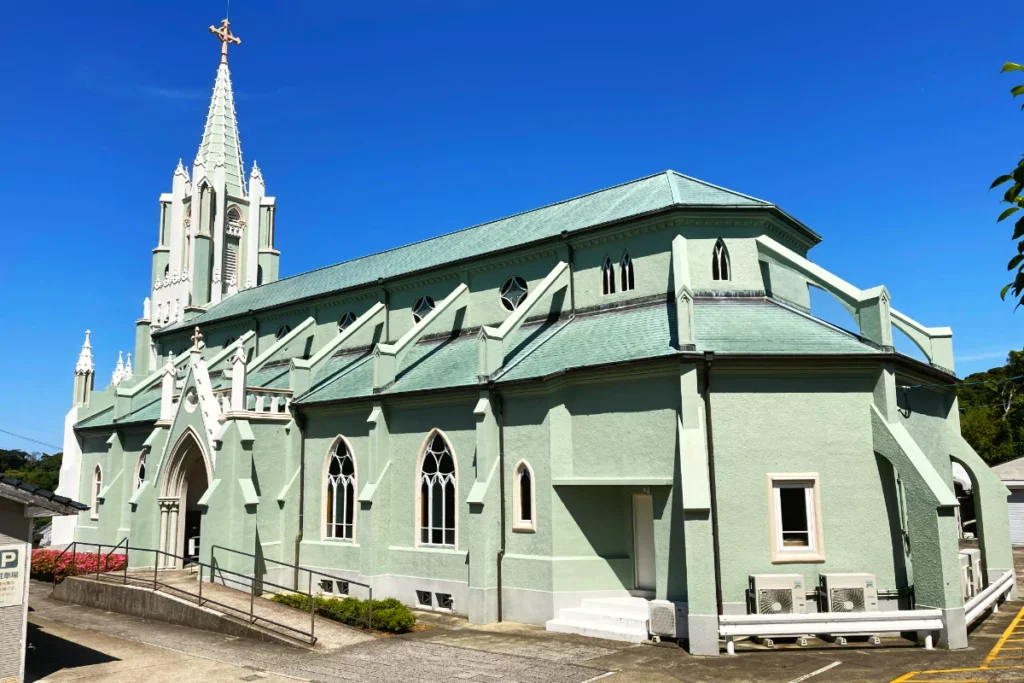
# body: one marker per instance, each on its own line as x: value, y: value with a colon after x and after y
x: 340, y: 501
x: 524, y: 496
x: 140, y: 471
x: 607, y: 277
x: 97, y: 488
x: 437, y: 508
x: 720, y: 262
x: 422, y: 307
x: 282, y: 331
x: 513, y: 292
x: 626, y: 269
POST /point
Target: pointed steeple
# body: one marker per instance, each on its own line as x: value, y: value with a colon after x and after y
x: 220, y: 137
x: 127, y: 374
x: 85, y: 366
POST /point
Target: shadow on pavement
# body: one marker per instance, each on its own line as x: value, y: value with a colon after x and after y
x: 47, y: 654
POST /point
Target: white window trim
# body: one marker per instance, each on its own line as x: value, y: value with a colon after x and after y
x: 419, y: 496
x: 96, y: 486
x: 323, y: 493
x: 780, y: 555
x: 518, y: 524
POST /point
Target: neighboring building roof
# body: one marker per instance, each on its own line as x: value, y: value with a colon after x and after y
x: 632, y: 199
x: 756, y: 326
x: 1011, y: 471
x: 42, y: 503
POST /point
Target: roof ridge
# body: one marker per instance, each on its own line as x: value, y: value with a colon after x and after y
x: 716, y: 187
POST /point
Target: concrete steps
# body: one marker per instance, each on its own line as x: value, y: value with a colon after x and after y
x: 623, y: 619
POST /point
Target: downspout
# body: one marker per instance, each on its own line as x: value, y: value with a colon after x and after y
x: 300, y: 422
x: 501, y: 484
x: 256, y: 329
x: 709, y: 357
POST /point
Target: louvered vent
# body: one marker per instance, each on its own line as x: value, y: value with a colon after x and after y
x: 231, y: 261
x: 775, y: 601
x: 846, y: 600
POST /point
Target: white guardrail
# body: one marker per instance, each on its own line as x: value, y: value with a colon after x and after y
x: 848, y: 623
x: 989, y: 597
x: 832, y: 623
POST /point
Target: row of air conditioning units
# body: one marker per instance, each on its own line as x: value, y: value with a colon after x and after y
x: 972, y: 582
x: 786, y: 594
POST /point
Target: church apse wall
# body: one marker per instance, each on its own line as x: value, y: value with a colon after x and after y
x: 802, y: 423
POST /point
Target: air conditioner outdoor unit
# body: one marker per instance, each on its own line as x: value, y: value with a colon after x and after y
x: 777, y: 594
x: 966, y: 580
x: 848, y: 593
x: 977, y: 577
x: 667, y: 619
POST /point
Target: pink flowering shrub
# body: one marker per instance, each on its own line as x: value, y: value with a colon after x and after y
x: 46, y: 566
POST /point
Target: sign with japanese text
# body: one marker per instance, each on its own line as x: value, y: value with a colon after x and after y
x: 13, y: 567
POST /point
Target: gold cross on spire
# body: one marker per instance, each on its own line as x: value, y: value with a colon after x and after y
x: 226, y: 36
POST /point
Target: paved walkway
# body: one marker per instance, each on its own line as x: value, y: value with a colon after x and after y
x: 380, y: 659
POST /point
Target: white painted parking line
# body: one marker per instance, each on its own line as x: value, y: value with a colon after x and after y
x: 815, y: 673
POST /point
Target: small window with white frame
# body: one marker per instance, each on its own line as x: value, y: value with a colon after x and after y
x: 795, y: 518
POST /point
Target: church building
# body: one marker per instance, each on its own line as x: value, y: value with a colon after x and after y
x: 622, y: 396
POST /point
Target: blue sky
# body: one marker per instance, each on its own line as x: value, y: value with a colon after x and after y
x: 880, y: 125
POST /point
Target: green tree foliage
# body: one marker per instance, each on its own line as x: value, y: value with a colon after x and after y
x: 992, y: 410
x: 38, y: 469
x: 1013, y: 197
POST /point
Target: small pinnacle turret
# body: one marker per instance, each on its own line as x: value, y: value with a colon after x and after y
x: 118, y: 374
x: 85, y: 365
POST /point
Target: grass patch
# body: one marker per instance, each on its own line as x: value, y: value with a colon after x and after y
x: 388, y: 615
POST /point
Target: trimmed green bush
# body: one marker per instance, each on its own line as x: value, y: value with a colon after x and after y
x: 388, y: 615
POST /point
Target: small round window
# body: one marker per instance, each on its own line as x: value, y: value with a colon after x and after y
x: 422, y: 307
x: 513, y: 292
x: 346, y: 320
x: 283, y: 330
x: 191, y: 399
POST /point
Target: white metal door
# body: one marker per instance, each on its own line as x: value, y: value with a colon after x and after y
x: 1016, y: 505
x: 643, y: 541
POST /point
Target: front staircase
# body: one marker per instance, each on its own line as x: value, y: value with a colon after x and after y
x: 622, y: 619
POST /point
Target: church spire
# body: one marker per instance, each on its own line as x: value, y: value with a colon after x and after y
x: 220, y: 144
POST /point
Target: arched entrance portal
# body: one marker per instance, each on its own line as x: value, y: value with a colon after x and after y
x: 185, y: 480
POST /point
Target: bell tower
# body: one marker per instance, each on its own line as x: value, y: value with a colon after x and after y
x: 216, y: 234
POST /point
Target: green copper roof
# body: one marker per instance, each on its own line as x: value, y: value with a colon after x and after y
x: 726, y: 326
x: 145, y: 407
x: 220, y: 136
x: 636, y: 198
x: 762, y: 326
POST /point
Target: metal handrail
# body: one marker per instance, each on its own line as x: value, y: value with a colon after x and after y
x: 73, y: 547
x: 253, y: 618
x: 309, y: 572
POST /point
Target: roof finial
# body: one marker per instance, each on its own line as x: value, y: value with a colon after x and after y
x: 225, y: 36
x: 196, y: 338
x: 128, y: 369
x: 85, y: 365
